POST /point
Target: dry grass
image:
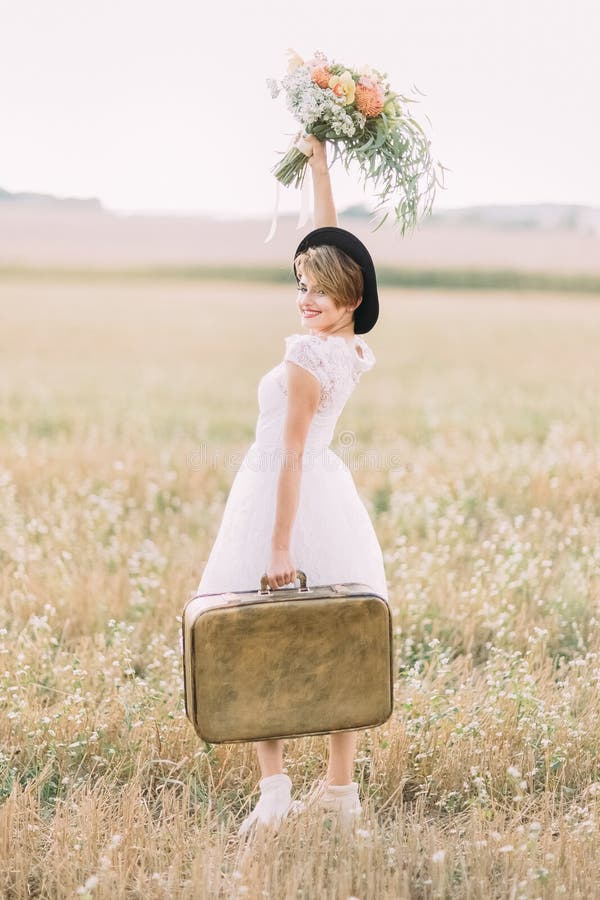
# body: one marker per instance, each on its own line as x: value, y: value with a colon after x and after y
x: 483, y: 422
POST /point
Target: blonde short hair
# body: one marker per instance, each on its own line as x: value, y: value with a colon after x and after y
x: 333, y: 271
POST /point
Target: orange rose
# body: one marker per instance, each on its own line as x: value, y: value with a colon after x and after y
x: 321, y: 76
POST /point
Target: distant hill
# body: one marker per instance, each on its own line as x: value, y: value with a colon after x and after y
x: 42, y: 230
x: 567, y: 217
x: 521, y: 217
x: 34, y: 199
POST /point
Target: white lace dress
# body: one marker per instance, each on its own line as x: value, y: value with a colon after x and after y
x: 332, y: 538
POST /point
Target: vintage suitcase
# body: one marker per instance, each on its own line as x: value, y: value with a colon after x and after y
x: 289, y: 662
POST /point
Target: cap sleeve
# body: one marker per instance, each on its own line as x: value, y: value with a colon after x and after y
x: 304, y: 350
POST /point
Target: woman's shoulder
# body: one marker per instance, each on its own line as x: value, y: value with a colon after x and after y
x: 304, y: 339
x: 309, y: 345
x: 307, y: 350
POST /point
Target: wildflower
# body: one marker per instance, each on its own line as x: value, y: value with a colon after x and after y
x: 90, y: 884
x: 367, y: 70
x: 438, y: 856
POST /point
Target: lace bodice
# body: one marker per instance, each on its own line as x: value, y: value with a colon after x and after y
x: 337, y: 366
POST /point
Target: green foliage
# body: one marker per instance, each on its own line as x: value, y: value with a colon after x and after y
x: 387, y: 276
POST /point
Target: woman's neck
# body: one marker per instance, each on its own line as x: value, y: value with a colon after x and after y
x: 348, y: 336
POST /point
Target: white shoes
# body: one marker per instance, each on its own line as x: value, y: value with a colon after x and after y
x: 275, y: 802
x: 341, y: 799
x: 273, y: 805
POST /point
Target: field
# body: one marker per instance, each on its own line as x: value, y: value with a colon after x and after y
x: 474, y: 442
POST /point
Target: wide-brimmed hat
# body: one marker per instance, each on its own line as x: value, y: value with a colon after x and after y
x: 367, y: 312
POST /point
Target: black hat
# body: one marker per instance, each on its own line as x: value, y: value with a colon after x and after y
x: 367, y: 312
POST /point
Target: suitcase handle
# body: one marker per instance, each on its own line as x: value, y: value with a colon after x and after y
x: 265, y: 587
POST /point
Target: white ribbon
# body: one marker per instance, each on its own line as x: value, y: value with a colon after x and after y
x: 304, y: 215
x: 304, y: 201
x: 273, y: 228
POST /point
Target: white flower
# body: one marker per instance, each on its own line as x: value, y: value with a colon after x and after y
x: 438, y: 856
x: 367, y: 71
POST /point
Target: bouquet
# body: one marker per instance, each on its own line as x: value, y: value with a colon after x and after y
x: 367, y: 123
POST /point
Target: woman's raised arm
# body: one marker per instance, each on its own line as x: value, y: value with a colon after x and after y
x: 325, y: 213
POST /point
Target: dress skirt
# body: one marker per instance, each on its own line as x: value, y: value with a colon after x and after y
x: 332, y: 540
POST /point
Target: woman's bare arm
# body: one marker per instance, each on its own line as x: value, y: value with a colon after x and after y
x: 303, y: 399
x: 325, y: 212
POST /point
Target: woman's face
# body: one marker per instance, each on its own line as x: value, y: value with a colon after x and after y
x: 317, y: 309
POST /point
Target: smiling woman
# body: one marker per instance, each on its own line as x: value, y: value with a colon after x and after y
x: 293, y: 500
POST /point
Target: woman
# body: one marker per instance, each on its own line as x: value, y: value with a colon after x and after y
x: 292, y: 489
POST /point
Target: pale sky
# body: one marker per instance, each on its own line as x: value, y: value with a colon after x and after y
x: 163, y: 106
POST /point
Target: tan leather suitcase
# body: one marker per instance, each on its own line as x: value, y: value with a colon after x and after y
x: 289, y: 662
